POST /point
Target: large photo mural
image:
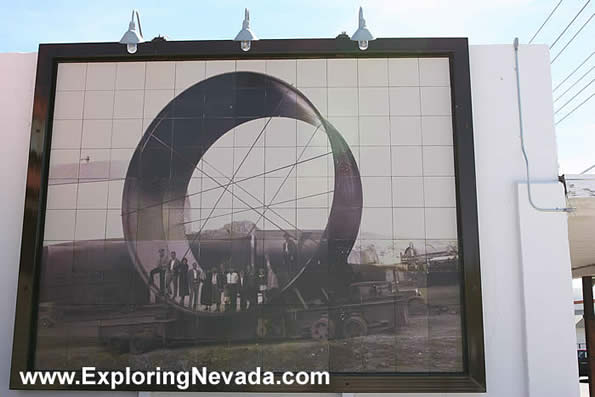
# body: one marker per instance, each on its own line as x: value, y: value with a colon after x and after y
x: 283, y: 213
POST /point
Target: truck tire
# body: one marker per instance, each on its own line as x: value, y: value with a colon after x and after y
x: 118, y: 345
x: 417, y: 306
x: 355, y: 326
x: 402, y: 315
x: 46, y: 322
x: 138, y: 345
x: 323, y: 329
x: 262, y: 328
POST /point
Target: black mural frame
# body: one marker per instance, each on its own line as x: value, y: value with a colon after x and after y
x: 472, y: 379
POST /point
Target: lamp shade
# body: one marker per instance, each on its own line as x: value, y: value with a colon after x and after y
x: 362, y: 33
x: 132, y: 35
x: 246, y: 34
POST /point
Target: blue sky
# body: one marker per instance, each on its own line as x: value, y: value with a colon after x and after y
x: 23, y: 25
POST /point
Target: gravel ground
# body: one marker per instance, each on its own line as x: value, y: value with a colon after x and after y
x: 428, y: 344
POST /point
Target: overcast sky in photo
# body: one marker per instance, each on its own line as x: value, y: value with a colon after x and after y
x: 23, y: 25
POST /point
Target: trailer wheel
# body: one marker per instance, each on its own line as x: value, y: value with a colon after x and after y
x: 355, y: 326
x: 402, y: 315
x: 138, y: 345
x: 118, y: 345
x: 323, y: 329
x: 46, y: 322
x: 262, y: 328
x: 417, y: 306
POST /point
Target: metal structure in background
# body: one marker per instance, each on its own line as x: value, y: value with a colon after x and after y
x: 589, y: 318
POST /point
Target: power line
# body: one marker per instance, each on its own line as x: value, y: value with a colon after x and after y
x: 569, y: 24
x: 574, y: 96
x: 573, y: 37
x: 588, y: 169
x: 573, y: 72
x: 572, y: 111
x: 573, y: 84
x: 546, y: 20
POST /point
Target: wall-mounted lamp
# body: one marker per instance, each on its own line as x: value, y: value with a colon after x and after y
x: 245, y: 36
x: 362, y: 35
x: 132, y: 37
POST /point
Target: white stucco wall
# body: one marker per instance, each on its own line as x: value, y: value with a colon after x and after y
x: 512, y: 290
x: 527, y: 292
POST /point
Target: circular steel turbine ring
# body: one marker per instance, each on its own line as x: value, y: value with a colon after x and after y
x: 172, y: 146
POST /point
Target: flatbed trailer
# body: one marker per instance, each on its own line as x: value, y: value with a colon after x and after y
x: 350, y: 319
x: 152, y: 326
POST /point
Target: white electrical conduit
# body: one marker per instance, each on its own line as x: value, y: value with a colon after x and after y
x: 518, y: 90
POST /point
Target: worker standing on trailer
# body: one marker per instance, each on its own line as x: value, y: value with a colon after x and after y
x: 234, y: 280
x: 160, y: 268
x: 195, y: 281
x: 172, y: 275
x: 289, y: 253
x: 272, y: 280
x: 248, y: 288
x: 217, y: 287
x: 183, y: 290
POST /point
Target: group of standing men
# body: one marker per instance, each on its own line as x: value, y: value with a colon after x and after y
x: 176, y: 278
x: 216, y: 289
x: 210, y: 290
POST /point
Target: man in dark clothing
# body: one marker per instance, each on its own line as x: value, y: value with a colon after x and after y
x: 247, y: 289
x: 234, y: 289
x: 183, y: 286
x: 172, y: 275
x: 289, y: 253
x: 160, y: 268
x: 195, y: 280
